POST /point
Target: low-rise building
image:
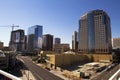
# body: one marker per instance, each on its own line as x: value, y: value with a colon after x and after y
x: 61, y: 48
x: 116, y: 43
x: 61, y: 60
x: 3, y: 60
x: 11, y: 58
x: 7, y: 59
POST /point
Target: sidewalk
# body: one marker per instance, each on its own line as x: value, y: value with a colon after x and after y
x: 27, y: 75
x: 59, y: 74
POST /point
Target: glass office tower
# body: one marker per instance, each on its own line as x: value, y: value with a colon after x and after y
x: 57, y: 41
x: 35, y: 37
x: 48, y: 42
x: 95, y: 32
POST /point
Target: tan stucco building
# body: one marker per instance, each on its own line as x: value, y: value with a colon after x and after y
x: 60, y: 60
x: 116, y: 42
x: 61, y: 48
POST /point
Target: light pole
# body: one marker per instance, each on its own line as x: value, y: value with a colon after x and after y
x: 28, y: 74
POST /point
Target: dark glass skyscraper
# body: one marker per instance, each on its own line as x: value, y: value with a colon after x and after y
x: 95, y: 32
x: 35, y: 37
x: 48, y: 42
x: 57, y: 41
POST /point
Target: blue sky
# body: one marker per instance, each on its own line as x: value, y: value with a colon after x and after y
x: 58, y: 17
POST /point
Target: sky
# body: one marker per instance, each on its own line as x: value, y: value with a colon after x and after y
x: 58, y: 17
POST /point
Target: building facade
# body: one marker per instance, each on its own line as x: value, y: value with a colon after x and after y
x: 61, y: 48
x: 47, y: 42
x: 57, y: 41
x: 116, y: 43
x: 75, y: 41
x: 34, y: 38
x: 3, y: 60
x: 1, y: 45
x: 25, y: 42
x: 95, y: 32
x: 7, y: 59
x: 17, y: 40
x: 60, y: 60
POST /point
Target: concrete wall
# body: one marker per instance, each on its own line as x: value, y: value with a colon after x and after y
x: 99, y: 57
x: 67, y: 59
x: 59, y: 60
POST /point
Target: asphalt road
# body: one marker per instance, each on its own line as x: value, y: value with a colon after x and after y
x: 105, y: 75
x: 37, y: 71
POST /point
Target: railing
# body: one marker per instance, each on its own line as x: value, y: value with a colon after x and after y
x: 9, y: 76
x: 115, y: 76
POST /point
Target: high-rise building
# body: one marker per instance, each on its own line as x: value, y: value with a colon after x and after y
x: 25, y: 46
x: 95, y: 32
x: 17, y: 40
x: 34, y: 37
x: 74, y: 41
x: 47, y: 42
x: 116, y: 43
x: 57, y: 41
x: 1, y: 45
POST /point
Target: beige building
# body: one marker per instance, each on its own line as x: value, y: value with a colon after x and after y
x: 61, y: 48
x: 60, y: 60
x: 116, y: 42
x: 1, y: 45
x: 95, y: 32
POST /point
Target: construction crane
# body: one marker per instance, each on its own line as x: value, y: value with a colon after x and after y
x: 11, y: 26
x: 11, y: 31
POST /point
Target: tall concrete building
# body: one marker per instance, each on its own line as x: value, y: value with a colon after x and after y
x: 75, y: 41
x: 116, y: 43
x: 1, y: 45
x: 17, y: 40
x: 34, y: 38
x: 95, y: 32
x: 25, y: 42
x: 47, y: 42
x: 57, y: 41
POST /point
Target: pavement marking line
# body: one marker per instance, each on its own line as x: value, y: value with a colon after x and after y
x: 38, y: 76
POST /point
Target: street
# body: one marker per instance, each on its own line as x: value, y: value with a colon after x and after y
x: 37, y: 71
x: 106, y: 74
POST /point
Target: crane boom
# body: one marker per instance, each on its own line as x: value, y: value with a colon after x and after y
x: 11, y: 26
